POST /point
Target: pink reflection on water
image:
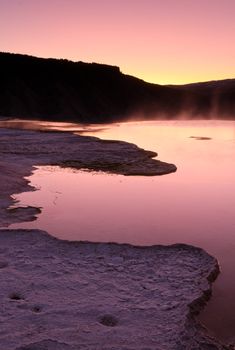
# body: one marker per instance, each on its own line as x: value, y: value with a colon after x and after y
x: 195, y: 205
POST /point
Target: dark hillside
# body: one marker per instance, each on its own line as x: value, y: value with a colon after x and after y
x: 33, y: 87
x: 218, y: 95
x: 52, y: 89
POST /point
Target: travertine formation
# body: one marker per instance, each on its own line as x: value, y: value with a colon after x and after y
x: 58, y: 295
x: 70, y: 295
x: 20, y: 150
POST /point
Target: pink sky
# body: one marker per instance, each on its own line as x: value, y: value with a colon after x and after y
x: 167, y: 41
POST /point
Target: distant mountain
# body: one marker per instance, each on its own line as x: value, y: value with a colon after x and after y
x: 213, y: 84
x: 52, y: 89
x: 212, y: 98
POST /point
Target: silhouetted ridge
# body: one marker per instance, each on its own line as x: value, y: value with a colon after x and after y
x: 212, y: 98
x: 58, y: 89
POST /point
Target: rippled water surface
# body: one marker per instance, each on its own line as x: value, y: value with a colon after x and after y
x: 195, y: 205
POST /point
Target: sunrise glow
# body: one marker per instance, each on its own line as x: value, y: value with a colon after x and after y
x: 159, y: 41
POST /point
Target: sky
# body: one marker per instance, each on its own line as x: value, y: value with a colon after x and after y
x: 160, y: 41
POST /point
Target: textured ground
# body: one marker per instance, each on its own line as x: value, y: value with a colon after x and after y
x: 20, y: 150
x: 59, y: 295
x: 66, y: 295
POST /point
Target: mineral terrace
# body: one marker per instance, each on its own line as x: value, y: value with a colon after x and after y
x: 59, y: 295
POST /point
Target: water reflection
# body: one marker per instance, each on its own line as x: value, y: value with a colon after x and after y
x: 195, y: 205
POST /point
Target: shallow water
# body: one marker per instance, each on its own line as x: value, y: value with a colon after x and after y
x: 195, y: 205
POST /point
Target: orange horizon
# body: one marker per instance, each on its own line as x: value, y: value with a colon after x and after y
x: 126, y: 73
x: 162, y: 42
